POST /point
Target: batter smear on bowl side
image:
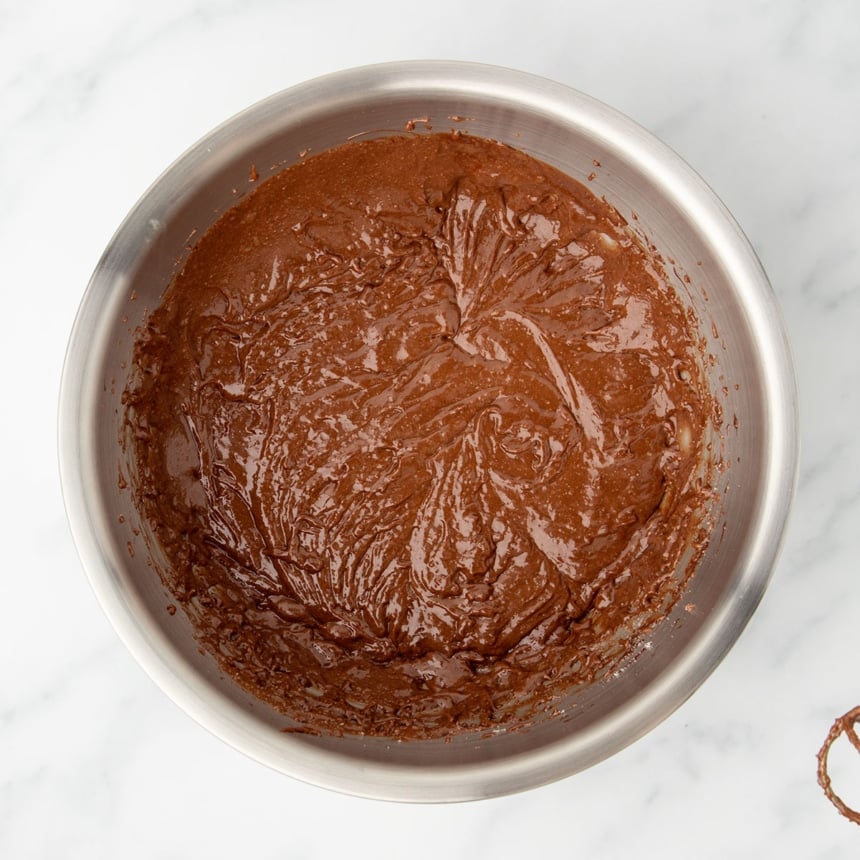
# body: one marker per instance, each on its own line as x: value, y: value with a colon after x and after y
x: 419, y: 433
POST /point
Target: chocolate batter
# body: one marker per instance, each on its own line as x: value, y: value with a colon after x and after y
x: 418, y: 429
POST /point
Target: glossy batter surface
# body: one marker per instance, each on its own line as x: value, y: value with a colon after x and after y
x: 417, y: 429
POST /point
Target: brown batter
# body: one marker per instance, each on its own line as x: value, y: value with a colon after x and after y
x: 417, y: 429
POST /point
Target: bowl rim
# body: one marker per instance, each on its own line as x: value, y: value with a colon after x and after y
x: 468, y: 781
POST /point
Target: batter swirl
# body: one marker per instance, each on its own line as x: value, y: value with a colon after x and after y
x: 417, y: 429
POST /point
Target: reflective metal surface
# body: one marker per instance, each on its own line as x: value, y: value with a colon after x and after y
x: 661, y: 197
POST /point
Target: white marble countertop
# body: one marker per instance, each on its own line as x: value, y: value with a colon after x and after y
x: 763, y: 99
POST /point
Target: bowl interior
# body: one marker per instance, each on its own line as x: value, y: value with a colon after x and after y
x: 661, y: 198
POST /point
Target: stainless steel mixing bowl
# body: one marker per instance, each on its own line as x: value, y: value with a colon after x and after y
x: 663, y: 198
